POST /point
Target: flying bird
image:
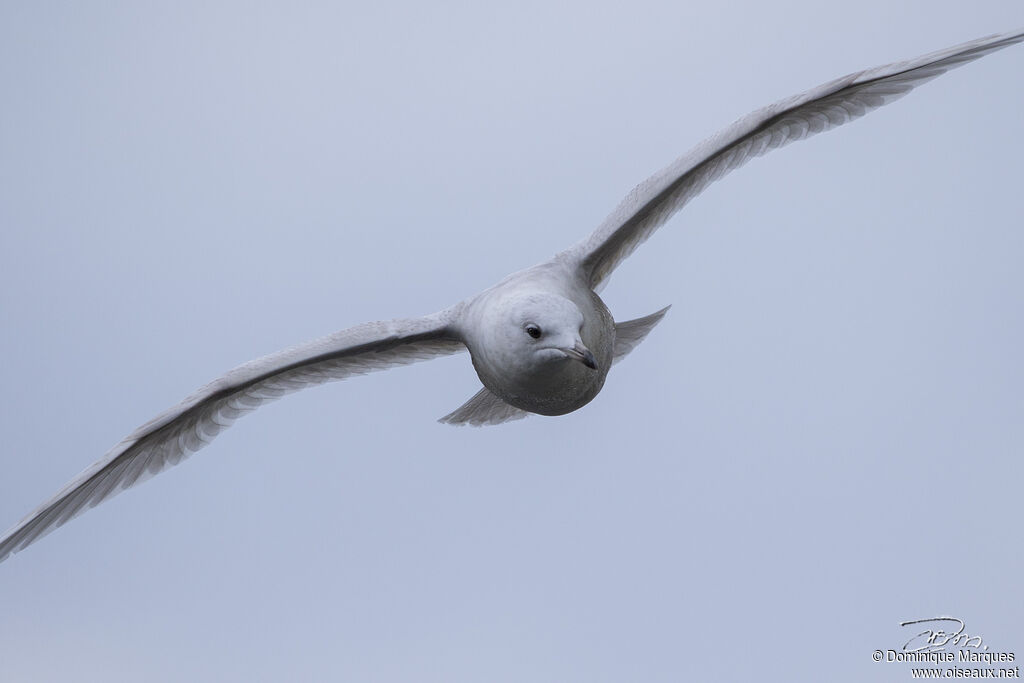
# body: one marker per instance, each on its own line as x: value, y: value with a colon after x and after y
x: 541, y: 340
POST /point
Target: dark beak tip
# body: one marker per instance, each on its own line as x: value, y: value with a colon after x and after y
x: 588, y: 360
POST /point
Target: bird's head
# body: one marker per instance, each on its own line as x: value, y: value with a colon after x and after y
x: 541, y: 330
x: 530, y: 338
x: 538, y: 351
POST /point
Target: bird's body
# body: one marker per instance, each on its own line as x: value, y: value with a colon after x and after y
x: 542, y: 340
x: 533, y: 374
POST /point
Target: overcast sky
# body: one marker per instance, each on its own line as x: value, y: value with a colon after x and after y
x: 821, y: 440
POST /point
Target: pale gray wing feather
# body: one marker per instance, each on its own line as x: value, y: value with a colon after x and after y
x: 656, y: 199
x: 483, y: 409
x: 630, y: 333
x: 175, y: 434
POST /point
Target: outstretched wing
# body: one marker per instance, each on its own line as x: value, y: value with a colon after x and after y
x: 656, y: 199
x: 175, y: 434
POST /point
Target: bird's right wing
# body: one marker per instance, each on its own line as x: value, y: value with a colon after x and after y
x: 656, y: 199
x: 175, y: 434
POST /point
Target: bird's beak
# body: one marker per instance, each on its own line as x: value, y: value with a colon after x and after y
x: 582, y: 354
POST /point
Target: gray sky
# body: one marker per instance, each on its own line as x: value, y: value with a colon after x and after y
x: 821, y: 440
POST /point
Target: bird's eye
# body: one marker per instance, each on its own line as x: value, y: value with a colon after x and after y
x: 533, y: 331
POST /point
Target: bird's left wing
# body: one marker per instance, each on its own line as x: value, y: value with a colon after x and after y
x: 656, y: 199
x: 175, y: 434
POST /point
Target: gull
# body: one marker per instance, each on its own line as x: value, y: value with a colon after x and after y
x: 541, y: 340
